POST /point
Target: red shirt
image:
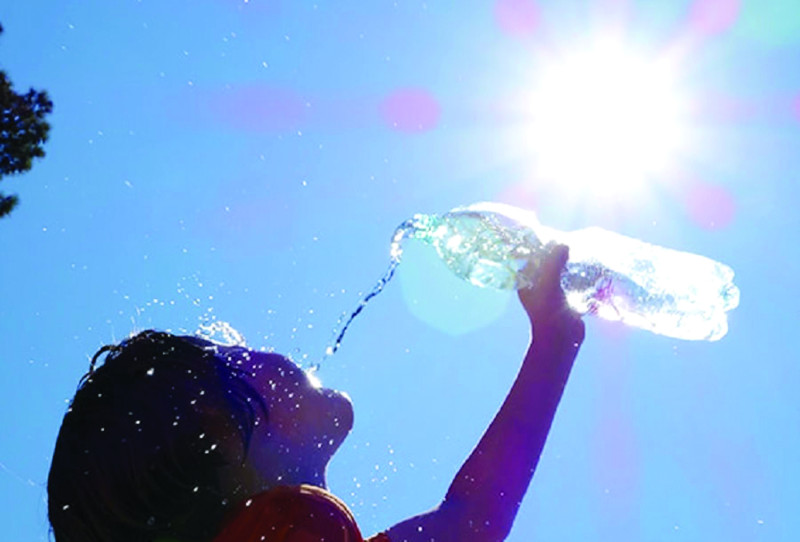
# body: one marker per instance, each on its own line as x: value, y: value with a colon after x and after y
x: 293, y: 514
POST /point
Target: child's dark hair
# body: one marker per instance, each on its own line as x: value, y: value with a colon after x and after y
x: 140, y: 448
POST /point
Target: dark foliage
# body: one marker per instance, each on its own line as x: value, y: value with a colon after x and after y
x: 23, y: 132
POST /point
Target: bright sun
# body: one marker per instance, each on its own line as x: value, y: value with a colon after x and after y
x: 605, y: 120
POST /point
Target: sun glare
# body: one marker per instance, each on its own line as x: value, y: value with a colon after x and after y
x: 604, y: 120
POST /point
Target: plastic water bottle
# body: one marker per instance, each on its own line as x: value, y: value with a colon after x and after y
x: 665, y: 291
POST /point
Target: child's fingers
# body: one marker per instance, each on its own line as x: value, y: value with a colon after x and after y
x: 554, y: 264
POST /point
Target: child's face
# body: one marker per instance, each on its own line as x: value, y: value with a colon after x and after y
x: 305, y: 422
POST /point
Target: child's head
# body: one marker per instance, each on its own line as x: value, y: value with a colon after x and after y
x: 170, y: 432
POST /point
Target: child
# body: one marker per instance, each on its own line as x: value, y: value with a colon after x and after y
x: 177, y: 439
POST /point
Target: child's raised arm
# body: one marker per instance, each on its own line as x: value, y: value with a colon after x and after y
x: 485, y: 495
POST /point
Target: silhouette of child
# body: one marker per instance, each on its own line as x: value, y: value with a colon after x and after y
x: 178, y: 439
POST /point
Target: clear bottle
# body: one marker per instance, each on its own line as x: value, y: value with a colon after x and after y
x: 665, y: 291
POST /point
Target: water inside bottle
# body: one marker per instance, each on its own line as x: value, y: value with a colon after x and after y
x: 668, y: 292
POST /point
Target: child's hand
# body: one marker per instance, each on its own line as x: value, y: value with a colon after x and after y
x: 546, y: 305
x: 483, y: 500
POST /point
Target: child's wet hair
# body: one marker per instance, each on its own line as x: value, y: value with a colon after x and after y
x: 141, y: 446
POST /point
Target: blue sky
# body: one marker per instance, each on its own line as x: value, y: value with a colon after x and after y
x: 247, y: 162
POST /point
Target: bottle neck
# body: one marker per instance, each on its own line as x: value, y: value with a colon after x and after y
x: 420, y: 226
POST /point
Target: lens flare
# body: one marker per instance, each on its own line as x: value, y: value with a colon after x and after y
x: 710, y: 206
x: 410, y: 110
x: 713, y: 16
x: 517, y: 17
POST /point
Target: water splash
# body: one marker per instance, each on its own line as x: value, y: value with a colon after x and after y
x: 405, y: 230
x: 220, y: 332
